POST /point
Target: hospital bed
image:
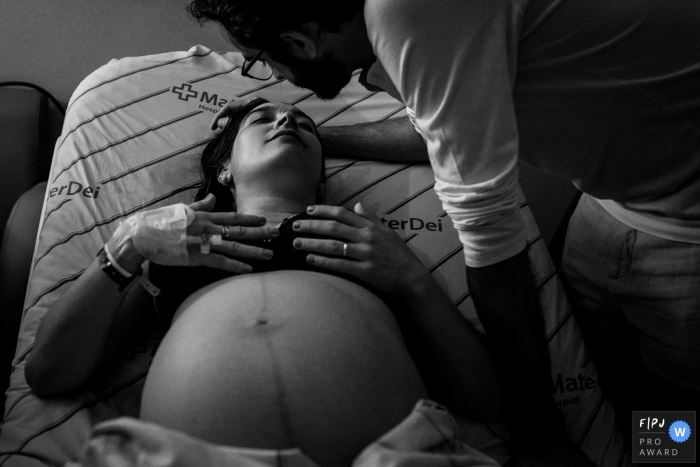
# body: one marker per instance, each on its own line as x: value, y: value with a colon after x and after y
x: 131, y: 138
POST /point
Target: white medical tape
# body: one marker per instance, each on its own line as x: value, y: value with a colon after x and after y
x: 159, y: 235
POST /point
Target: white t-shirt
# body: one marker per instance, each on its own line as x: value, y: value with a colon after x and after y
x: 605, y: 94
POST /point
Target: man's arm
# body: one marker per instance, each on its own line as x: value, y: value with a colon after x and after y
x: 507, y: 304
x: 394, y: 140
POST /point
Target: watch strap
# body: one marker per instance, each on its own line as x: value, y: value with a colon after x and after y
x: 108, y: 268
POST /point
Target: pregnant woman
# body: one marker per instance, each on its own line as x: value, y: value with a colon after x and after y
x: 296, y: 322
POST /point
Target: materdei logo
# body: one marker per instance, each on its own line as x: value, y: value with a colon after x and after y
x: 74, y: 188
x: 210, y: 102
x: 567, y: 391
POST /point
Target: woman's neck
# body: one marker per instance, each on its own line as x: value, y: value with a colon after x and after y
x: 275, y: 210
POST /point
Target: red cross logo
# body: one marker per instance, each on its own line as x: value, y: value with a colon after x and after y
x: 184, y: 92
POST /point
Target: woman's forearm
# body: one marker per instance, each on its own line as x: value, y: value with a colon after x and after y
x: 80, y: 331
x: 457, y: 352
x: 88, y: 322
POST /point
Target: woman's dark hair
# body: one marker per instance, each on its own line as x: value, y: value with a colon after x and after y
x: 257, y: 23
x: 218, y: 151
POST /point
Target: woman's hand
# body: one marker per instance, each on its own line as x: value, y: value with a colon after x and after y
x: 233, y: 228
x: 361, y: 246
x: 203, y: 248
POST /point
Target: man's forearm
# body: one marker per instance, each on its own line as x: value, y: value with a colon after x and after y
x: 394, y: 140
x: 506, y: 301
x: 503, y: 290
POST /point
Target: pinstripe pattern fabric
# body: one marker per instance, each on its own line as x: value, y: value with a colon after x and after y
x: 131, y: 140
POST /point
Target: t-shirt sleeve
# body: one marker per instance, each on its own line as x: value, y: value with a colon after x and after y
x: 453, y: 63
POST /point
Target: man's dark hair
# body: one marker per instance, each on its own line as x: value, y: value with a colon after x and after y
x: 257, y: 23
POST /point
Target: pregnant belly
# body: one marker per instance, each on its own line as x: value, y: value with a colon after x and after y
x: 283, y: 359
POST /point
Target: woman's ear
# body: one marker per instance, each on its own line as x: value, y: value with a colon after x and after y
x: 225, y: 178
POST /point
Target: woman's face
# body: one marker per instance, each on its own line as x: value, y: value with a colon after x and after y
x: 276, y: 142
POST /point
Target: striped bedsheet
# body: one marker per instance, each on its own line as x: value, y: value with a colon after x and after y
x: 131, y: 139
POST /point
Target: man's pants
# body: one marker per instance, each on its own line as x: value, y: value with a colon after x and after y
x: 636, y: 298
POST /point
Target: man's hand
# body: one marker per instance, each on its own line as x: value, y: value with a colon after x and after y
x: 234, y: 105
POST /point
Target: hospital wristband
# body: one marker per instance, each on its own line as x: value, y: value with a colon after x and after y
x: 116, y: 265
x: 113, y: 270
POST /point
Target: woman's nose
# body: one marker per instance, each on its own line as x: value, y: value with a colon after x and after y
x: 288, y: 119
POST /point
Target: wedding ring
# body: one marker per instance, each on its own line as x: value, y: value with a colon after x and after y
x: 345, y: 250
x: 224, y: 231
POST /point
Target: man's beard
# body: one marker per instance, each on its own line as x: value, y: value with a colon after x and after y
x: 326, y: 78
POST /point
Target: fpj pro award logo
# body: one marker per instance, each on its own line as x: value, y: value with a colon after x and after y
x: 663, y: 437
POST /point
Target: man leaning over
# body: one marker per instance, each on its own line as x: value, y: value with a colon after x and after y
x: 605, y: 94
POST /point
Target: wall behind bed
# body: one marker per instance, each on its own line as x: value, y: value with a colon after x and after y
x: 56, y: 43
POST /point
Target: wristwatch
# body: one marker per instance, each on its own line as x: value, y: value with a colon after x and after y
x: 115, y: 274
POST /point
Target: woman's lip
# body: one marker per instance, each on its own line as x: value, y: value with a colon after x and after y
x: 287, y: 133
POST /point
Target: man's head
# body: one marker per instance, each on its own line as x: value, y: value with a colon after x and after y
x: 312, y: 43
